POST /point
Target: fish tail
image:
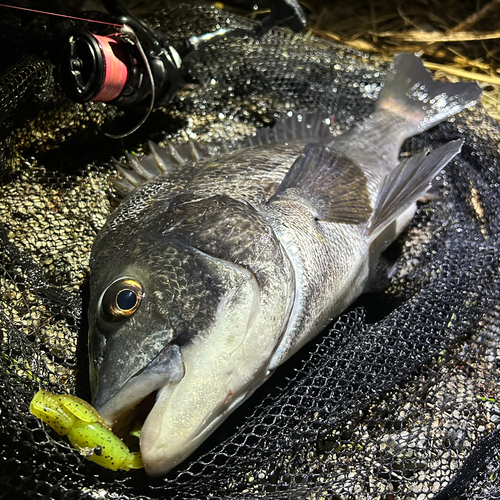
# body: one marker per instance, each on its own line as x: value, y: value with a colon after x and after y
x: 412, y: 94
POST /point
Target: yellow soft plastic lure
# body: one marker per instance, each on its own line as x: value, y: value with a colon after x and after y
x: 86, y: 430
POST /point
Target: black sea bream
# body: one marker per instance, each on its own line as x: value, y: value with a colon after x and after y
x: 213, y: 272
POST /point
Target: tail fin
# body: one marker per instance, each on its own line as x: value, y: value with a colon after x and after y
x: 411, y: 92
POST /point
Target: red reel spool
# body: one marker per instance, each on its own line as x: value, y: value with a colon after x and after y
x: 115, y: 69
x: 93, y: 67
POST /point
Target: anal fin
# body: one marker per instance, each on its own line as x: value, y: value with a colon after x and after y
x: 408, y: 182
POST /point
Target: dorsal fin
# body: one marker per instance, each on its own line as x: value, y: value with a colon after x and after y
x: 306, y: 128
x: 298, y: 128
x: 159, y: 161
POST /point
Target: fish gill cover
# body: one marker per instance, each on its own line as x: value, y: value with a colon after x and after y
x: 396, y: 399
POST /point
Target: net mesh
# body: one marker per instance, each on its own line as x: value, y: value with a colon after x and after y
x: 398, y: 397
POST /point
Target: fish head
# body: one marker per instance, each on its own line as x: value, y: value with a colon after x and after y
x: 180, y: 310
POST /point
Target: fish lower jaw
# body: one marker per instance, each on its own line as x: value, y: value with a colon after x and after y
x: 163, y: 455
x: 166, y: 441
x: 165, y: 445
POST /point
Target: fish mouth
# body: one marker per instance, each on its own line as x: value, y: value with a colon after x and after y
x: 137, y: 397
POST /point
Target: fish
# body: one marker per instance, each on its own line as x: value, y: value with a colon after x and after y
x: 220, y: 264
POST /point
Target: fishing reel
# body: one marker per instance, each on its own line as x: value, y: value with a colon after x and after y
x: 134, y: 67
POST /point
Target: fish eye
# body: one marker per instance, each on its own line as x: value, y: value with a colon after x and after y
x: 121, y: 299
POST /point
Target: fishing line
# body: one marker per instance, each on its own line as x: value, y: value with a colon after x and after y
x: 59, y: 15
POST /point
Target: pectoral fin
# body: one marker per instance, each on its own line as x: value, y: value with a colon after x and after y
x: 404, y: 185
x: 332, y: 184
